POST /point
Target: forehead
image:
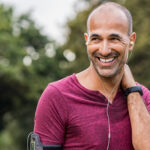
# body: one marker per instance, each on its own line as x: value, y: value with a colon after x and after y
x: 108, y: 19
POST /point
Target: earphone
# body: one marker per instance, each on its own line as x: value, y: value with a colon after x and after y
x: 131, y: 43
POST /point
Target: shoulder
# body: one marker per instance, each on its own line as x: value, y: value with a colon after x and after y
x: 62, y: 85
x: 63, y: 81
x: 54, y: 90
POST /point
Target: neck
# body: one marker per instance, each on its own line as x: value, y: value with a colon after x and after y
x: 107, y: 86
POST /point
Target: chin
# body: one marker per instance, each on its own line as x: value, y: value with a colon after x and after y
x: 108, y: 73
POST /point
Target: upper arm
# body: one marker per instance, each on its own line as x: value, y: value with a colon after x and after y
x: 50, y: 117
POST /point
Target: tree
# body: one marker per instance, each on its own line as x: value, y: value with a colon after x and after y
x: 140, y: 57
x: 29, y: 60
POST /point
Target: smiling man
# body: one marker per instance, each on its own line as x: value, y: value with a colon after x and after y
x: 102, y: 107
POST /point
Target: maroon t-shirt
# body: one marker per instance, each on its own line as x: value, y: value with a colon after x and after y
x: 70, y: 115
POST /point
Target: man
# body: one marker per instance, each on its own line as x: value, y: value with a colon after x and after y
x: 101, y: 107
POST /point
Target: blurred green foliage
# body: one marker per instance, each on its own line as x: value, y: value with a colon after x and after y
x: 29, y: 60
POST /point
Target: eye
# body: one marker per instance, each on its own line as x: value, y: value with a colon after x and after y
x: 94, y: 39
x: 115, y: 39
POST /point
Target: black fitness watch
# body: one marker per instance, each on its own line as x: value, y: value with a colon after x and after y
x: 133, y: 89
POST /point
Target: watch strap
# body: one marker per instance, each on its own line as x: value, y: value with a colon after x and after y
x: 133, y: 89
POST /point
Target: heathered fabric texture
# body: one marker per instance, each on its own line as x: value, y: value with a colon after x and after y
x: 75, y: 117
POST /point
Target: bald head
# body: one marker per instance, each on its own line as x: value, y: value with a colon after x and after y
x: 113, y: 9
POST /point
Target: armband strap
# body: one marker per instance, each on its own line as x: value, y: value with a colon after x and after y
x: 52, y: 147
x: 35, y: 143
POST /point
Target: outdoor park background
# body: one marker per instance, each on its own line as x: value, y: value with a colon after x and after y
x: 29, y: 60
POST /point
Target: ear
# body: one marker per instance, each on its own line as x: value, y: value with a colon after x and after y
x: 132, y: 41
x: 86, y: 38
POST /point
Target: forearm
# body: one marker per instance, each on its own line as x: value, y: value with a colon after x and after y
x: 140, y: 122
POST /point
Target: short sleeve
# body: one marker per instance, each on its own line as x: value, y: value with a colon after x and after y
x: 146, y: 97
x: 51, y: 117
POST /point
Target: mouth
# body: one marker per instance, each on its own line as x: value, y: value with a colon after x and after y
x: 108, y: 60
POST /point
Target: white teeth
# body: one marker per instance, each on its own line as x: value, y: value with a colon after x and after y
x: 106, y: 60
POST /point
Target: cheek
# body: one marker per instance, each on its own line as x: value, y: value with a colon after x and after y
x: 125, y: 51
x: 121, y: 49
x: 124, y: 57
x: 91, y: 49
x: 117, y: 47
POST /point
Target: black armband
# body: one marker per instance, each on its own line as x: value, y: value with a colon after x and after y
x: 35, y: 144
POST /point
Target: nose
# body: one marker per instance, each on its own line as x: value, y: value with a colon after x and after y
x: 104, y: 48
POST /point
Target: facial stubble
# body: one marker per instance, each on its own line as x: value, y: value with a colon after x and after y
x: 118, y: 68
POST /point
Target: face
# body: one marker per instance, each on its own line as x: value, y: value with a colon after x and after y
x: 108, y: 42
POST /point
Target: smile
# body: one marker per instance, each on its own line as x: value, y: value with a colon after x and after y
x: 106, y: 60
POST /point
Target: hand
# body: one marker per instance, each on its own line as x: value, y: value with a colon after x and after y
x: 127, y: 79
